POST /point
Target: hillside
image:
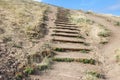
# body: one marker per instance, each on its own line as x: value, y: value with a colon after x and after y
x: 44, y: 42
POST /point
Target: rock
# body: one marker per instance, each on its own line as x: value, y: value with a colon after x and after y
x: 1, y: 77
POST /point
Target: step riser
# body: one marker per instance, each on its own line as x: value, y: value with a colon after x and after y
x: 66, y: 25
x: 81, y: 60
x: 64, y: 35
x: 70, y: 49
x: 61, y: 22
x: 66, y: 28
x: 67, y: 41
x: 65, y: 32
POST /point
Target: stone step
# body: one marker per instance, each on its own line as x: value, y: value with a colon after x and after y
x: 61, y: 22
x: 74, y: 55
x: 67, y: 28
x: 66, y: 25
x: 66, y: 71
x: 65, y: 35
x: 80, y: 60
x: 65, y: 47
x: 66, y: 31
x: 69, y: 40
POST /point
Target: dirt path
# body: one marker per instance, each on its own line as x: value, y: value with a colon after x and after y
x: 107, y: 51
x: 68, y: 45
x: 67, y: 49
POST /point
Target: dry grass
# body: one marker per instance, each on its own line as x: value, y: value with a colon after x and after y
x: 96, y: 31
x: 117, y: 55
x: 21, y: 22
x: 25, y: 16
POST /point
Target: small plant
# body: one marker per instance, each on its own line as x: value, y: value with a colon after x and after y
x: 95, y: 74
x: 59, y: 49
x: 45, y: 64
x: 19, y: 76
x: 42, y: 67
x: 17, y: 46
x: 103, y: 42
x: 29, y: 70
x: 7, y: 39
x: 104, y: 34
x: 84, y: 51
x: 117, y: 23
x: 117, y: 55
x: 86, y: 44
x: 118, y: 58
x: 85, y: 61
x: 89, y: 12
x: 90, y: 21
x: 63, y: 59
x: 81, y: 37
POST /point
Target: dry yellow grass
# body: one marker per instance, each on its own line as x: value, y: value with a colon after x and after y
x: 98, y: 32
x: 19, y: 21
x: 24, y: 15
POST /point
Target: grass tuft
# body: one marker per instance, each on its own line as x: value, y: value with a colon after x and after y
x: 96, y: 74
x: 85, y: 61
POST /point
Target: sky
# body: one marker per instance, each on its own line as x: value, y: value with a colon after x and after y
x: 98, y: 6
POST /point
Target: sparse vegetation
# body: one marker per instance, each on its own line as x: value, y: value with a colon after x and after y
x: 90, y: 21
x: 117, y: 55
x: 59, y: 49
x: 7, y: 39
x: 85, y: 61
x: 63, y: 59
x: 19, y: 76
x: 117, y: 24
x: 84, y: 51
x: 89, y: 12
x: 96, y: 74
x: 81, y: 37
x: 29, y: 70
x: 104, y: 41
x: 45, y: 64
x: 103, y: 31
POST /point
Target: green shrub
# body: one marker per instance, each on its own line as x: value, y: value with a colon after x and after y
x: 17, y: 46
x: 81, y: 37
x: 63, y: 59
x: 29, y: 70
x: 95, y: 74
x: 103, y: 42
x: 59, y: 49
x: 117, y: 23
x: 45, y: 64
x: 90, y: 21
x: 117, y: 55
x: 19, y: 76
x: 85, y: 61
x: 104, y: 33
x: 43, y: 67
x: 118, y: 58
x: 89, y: 12
x: 7, y: 39
x: 84, y: 51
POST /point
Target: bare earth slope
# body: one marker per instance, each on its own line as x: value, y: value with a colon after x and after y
x: 112, y: 69
x: 71, y: 44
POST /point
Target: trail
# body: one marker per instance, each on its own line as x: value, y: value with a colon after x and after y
x: 107, y: 51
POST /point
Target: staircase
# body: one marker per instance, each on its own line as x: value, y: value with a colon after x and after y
x: 74, y: 54
x: 68, y: 42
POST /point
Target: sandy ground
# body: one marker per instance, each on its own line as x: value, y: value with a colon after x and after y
x: 107, y: 52
x: 77, y: 71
